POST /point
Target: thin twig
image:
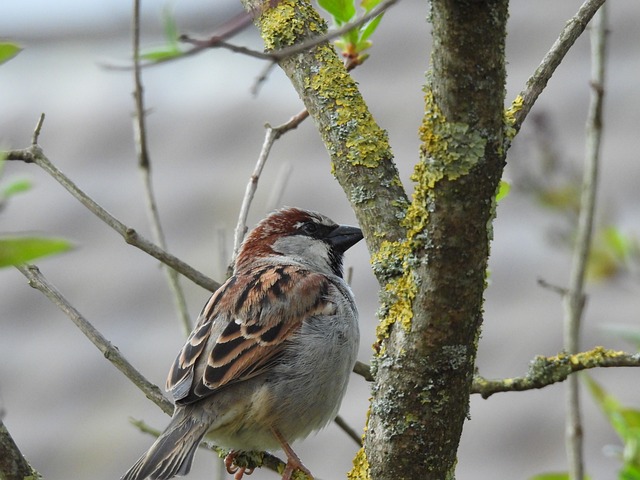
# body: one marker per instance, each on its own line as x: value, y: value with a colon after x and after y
x: 241, y: 226
x: 538, y: 81
x: 551, y: 287
x: 363, y: 370
x: 34, y: 154
x: 144, y: 164
x: 347, y: 27
x: 255, y: 89
x: 218, y: 41
x: 271, y: 135
x: 36, y: 131
x: 545, y: 371
x: 348, y: 430
x: 574, y: 300
x: 111, y: 353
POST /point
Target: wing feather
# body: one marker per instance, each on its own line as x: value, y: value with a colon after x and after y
x: 245, y: 326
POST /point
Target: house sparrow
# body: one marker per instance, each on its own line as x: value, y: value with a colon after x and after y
x: 269, y: 359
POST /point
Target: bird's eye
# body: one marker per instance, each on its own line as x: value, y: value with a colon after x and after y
x: 309, y: 228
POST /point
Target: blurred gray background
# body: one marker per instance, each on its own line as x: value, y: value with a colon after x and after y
x: 68, y: 408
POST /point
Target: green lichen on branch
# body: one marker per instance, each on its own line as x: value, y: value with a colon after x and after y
x: 351, y: 132
x: 510, y: 118
x: 449, y: 149
x: 545, y: 371
x: 393, y: 262
x: 288, y: 22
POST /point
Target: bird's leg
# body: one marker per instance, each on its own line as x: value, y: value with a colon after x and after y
x: 293, y: 462
x: 234, y: 470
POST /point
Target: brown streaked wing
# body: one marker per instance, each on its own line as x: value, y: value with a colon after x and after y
x: 276, y: 299
x: 181, y: 373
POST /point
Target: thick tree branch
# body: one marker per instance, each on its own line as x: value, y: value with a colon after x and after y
x: 545, y: 371
x: 538, y: 81
x: 34, y: 154
x: 111, y: 353
x: 433, y: 310
x: 358, y: 147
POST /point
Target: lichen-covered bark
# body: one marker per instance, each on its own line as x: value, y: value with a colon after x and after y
x: 425, y: 367
x: 430, y: 254
x: 361, y: 158
x: 13, y: 466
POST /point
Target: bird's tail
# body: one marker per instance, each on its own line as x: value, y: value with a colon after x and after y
x: 173, y: 451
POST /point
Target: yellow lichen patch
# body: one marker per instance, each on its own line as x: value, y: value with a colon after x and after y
x: 594, y: 357
x: 417, y: 215
x: 352, y: 133
x: 450, y: 150
x: 285, y: 23
x: 510, y: 117
x: 360, y: 470
x: 392, y: 261
x: 403, y: 290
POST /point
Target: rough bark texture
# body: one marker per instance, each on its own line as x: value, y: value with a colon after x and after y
x: 429, y: 255
x: 426, y: 364
x: 13, y: 466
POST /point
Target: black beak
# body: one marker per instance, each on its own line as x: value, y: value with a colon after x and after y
x: 344, y: 237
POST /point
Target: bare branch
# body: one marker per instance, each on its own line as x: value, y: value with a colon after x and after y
x: 574, y: 300
x: 544, y: 371
x: 111, y: 353
x: 144, y: 164
x: 348, y: 430
x: 363, y: 370
x: 538, y: 81
x: 36, y: 131
x: 241, y: 227
x: 34, y: 154
x: 271, y: 135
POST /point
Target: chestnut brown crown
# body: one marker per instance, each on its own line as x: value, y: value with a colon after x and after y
x: 301, y: 236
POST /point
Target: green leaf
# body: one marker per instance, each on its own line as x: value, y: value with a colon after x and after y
x: 8, y: 51
x: 551, y: 476
x: 16, y: 186
x: 617, y: 241
x: 369, y: 5
x: 625, y: 421
x: 19, y: 250
x: 171, y: 31
x: 163, y: 53
x: 368, y: 29
x: 630, y: 472
x: 555, y: 476
x: 503, y: 190
x: 341, y: 10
